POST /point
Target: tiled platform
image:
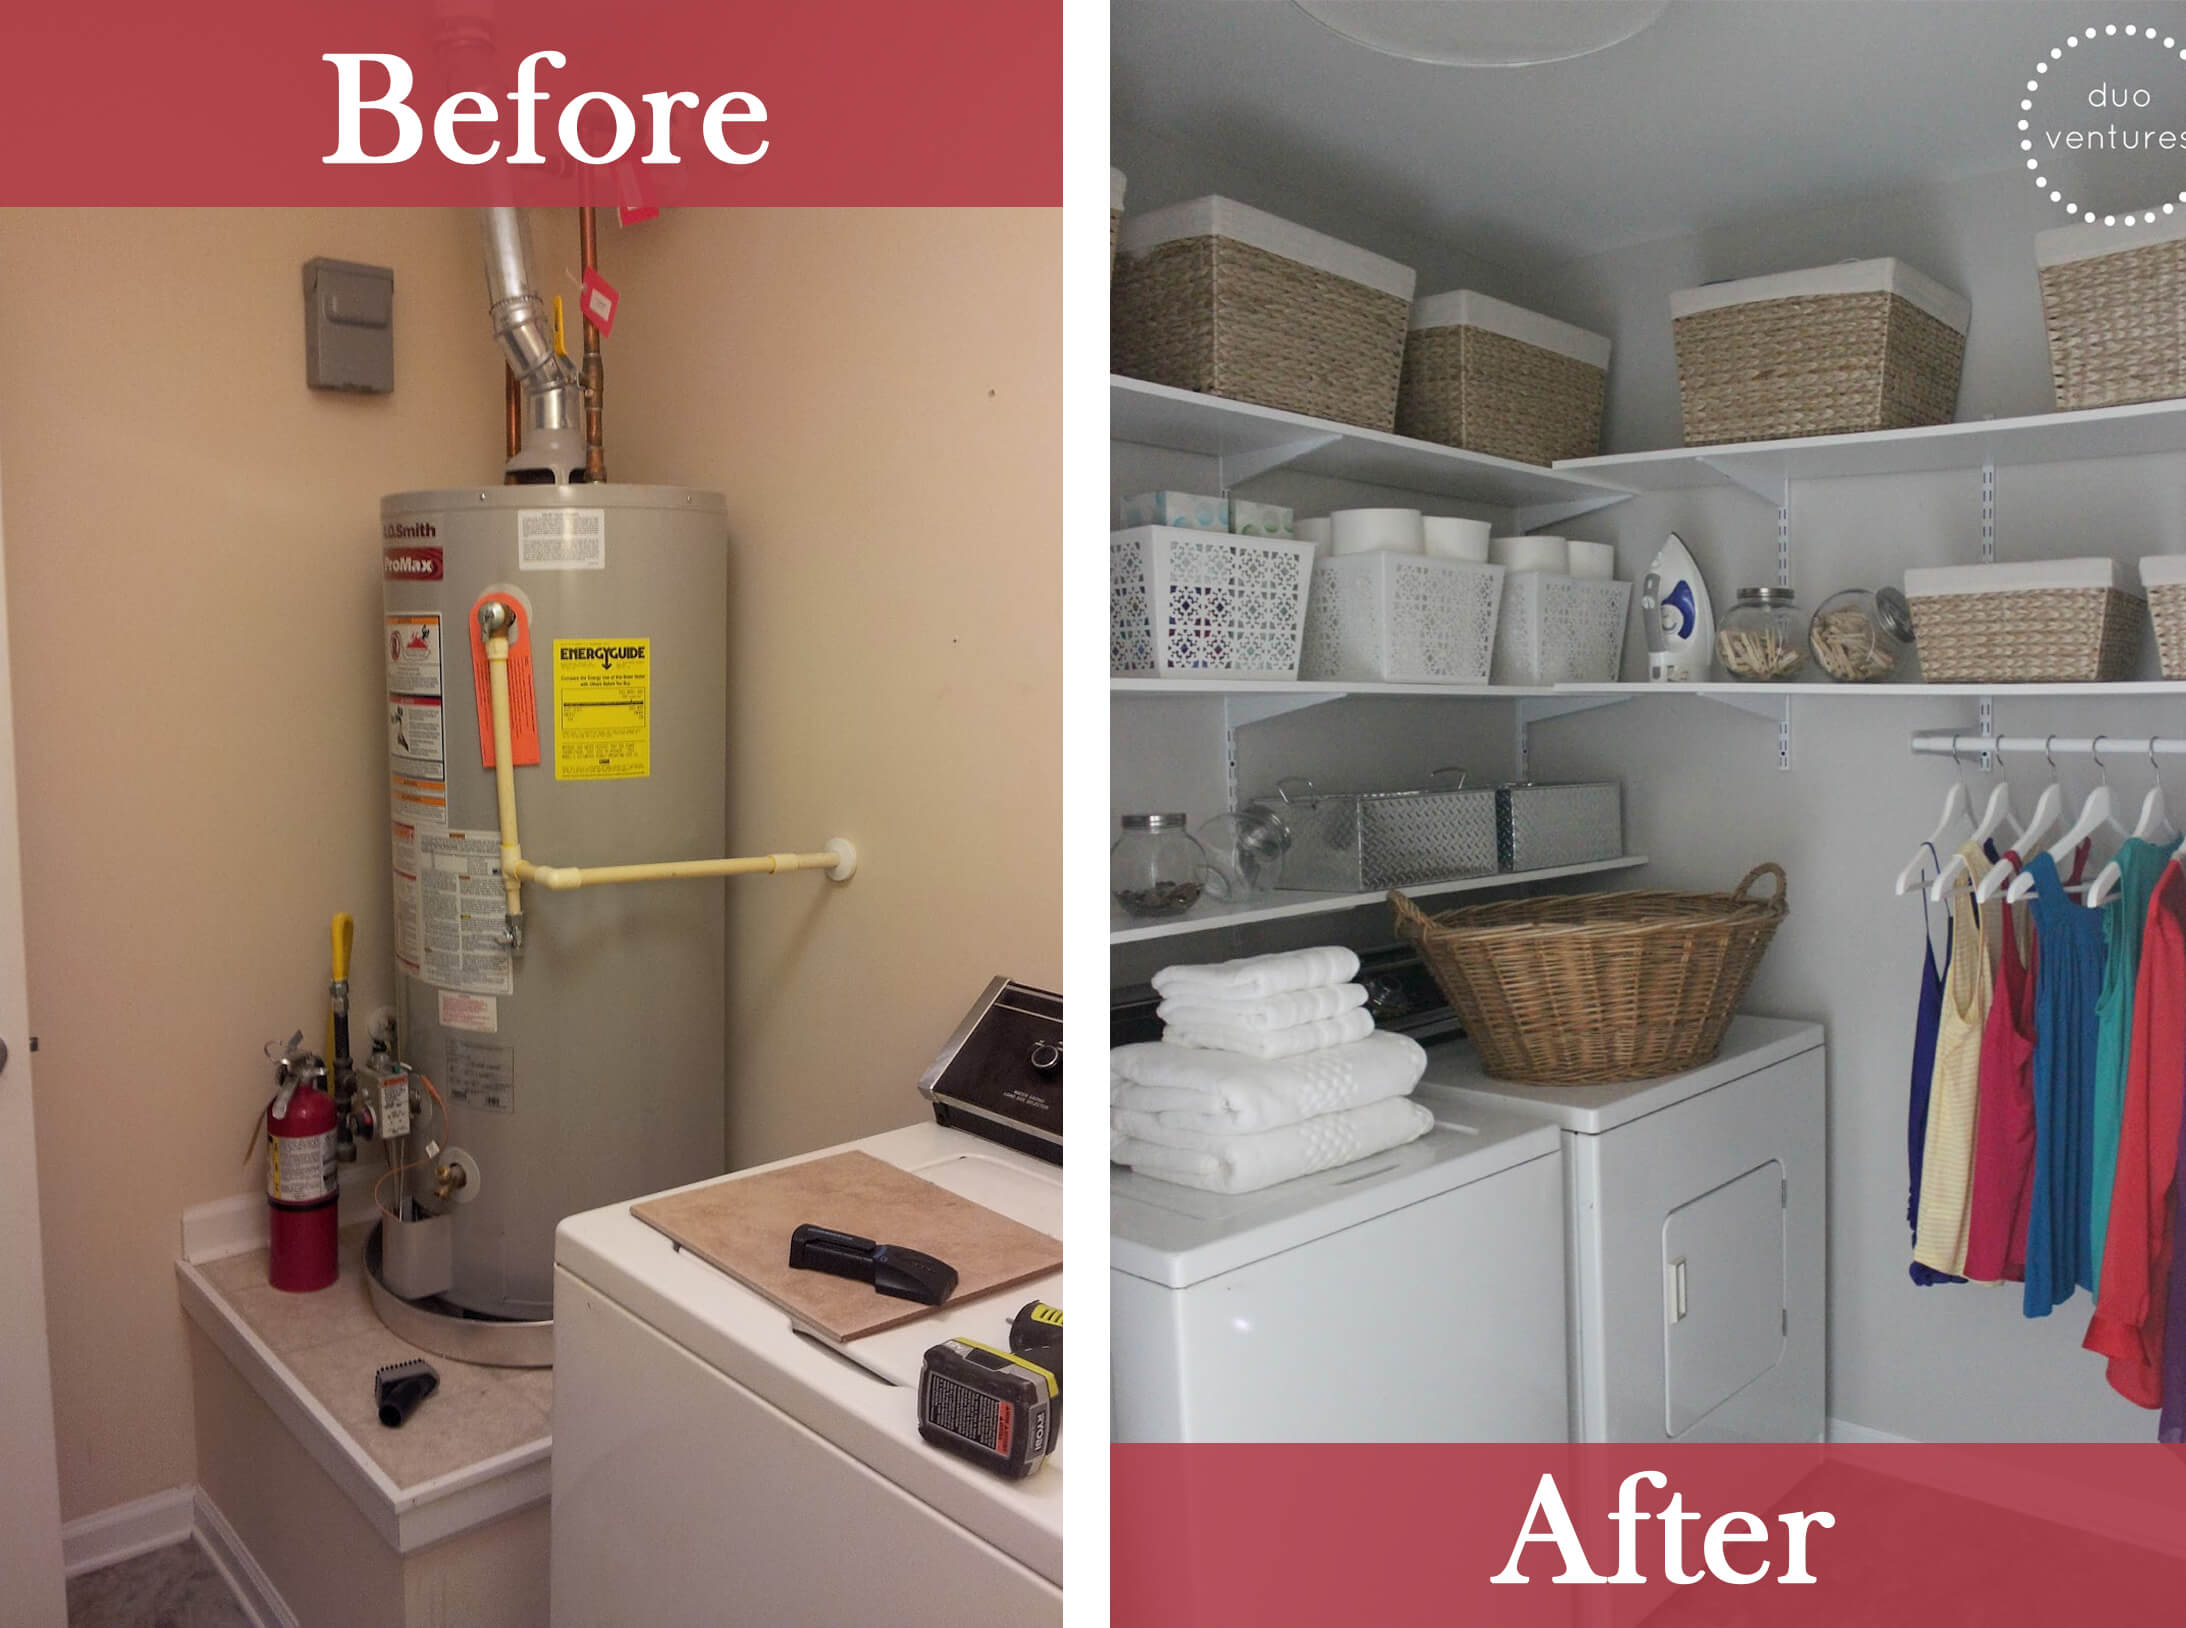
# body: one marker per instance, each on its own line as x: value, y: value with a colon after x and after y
x: 472, y: 1452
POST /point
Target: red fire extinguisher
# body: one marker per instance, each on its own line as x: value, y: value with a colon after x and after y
x: 301, y: 1178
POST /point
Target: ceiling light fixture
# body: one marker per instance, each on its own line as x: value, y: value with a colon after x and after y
x: 1485, y: 33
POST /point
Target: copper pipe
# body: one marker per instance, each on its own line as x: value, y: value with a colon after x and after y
x: 514, y: 394
x: 593, y: 373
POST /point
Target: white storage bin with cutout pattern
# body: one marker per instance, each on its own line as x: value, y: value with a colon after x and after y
x: 1560, y: 630
x: 1205, y: 604
x: 1401, y: 618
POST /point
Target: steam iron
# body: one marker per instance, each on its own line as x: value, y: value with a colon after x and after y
x: 1677, y: 618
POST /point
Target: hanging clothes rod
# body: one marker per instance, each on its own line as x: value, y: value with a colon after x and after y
x: 2113, y: 748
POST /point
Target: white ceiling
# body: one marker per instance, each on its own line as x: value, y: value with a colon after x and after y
x: 1725, y: 111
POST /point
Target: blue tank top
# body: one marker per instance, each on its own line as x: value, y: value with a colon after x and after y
x: 2068, y: 983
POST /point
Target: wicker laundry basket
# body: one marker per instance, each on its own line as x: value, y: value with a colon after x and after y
x: 2041, y: 622
x: 1229, y: 301
x: 1869, y: 345
x: 2114, y: 307
x: 1594, y: 988
x: 1496, y: 378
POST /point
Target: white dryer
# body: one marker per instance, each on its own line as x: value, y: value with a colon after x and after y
x: 1696, y: 1214
x: 1270, y: 1316
x: 711, y: 1465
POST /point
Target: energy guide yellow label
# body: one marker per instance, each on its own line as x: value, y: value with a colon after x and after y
x: 603, y: 709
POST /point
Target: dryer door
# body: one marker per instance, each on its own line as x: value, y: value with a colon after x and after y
x: 1722, y: 1294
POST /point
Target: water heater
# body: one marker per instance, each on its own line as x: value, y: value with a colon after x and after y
x: 584, y: 1064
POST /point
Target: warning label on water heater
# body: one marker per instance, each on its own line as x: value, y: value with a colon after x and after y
x: 603, y: 711
x: 413, y: 655
x: 464, y: 912
x: 561, y: 539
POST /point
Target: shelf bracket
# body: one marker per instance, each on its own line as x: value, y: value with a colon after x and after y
x: 1240, y: 710
x: 1533, y: 709
x: 1776, y: 490
x: 1988, y: 511
x: 1233, y: 468
x: 1776, y: 708
x: 1530, y: 516
x: 1985, y: 713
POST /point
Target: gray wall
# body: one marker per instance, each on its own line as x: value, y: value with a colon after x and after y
x: 1705, y: 800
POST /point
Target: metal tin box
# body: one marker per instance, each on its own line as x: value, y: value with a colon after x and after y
x: 1539, y: 827
x: 1359, y: 842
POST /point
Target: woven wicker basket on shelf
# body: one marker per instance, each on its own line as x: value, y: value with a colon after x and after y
x: 1215, y: 297
x: 1594, y: 988
x: 2164, y: 577
x: 2114, y: 310
x: 1495, y: 378
x: 1871, y: 345
x: 2022, y: 631
x: 1115, y: 216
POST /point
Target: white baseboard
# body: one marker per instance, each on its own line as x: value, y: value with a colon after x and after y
x: 1844, y: 1430
x: 127, y: 1530
x: 161, y: 1521
x: 261, y: 1601
x: 235, y: 1225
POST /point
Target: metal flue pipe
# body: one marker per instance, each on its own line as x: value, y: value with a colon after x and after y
x: 553, y: 439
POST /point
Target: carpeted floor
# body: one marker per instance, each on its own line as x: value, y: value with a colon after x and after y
x: 174, y: 1587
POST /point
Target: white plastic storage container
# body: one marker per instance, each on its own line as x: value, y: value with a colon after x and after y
x: 1201, y: 604
x: 1560, y: 630
x: 1215, y: 296
x: 1401, y: 618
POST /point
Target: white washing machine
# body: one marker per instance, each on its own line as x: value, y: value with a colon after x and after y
x: 1696, y: 1212
x: 712, y: 1466
x: 1276, y: 1315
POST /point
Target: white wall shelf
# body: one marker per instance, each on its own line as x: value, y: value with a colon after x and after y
x: 1330, y: 689
x: 1249, y: 441
x: 1309, y: 691
x: 1280, y: 905
x: 1763, y: 467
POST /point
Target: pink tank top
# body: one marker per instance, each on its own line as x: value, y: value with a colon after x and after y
x: 2003, y: 1158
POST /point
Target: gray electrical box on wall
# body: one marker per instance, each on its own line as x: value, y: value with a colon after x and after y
x: 349, y: 327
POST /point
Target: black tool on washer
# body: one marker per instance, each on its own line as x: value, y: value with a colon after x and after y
x: 400, y: 1386
x: 890, y: 1268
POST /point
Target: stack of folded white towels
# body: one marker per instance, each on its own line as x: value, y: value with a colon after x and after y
x: 1268, y: 1068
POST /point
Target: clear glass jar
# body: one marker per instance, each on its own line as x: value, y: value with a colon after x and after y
x: 1860, y: 637
x: 1157, y: 867
x: 1763, y: 639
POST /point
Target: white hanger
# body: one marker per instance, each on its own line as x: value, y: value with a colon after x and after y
x: 1956, y: 806
x: 1992, y: 821
x: 2154, y: 826
x: 2094, y: 815
x: 2047, y: 808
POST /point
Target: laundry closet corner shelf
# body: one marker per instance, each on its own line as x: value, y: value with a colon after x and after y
x: 1764, y: 467
x: 1249, y: 440
x: 1281, y: 905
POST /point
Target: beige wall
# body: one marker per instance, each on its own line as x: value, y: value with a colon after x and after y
x: 192, y: 589
x: 879, y: 394
x: 192, y: 595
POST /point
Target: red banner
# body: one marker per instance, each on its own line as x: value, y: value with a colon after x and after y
x: 634, y: 104
x: 1275, y: 1536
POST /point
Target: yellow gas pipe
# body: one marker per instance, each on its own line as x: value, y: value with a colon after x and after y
x: 839, y: 859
